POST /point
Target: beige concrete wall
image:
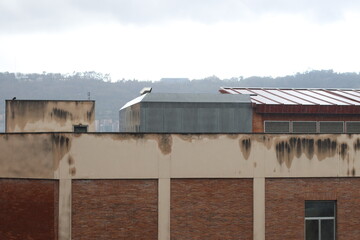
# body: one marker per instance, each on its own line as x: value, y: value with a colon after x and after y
x: 68, y: 156
x: 48, y: 115
x: 82, y: 156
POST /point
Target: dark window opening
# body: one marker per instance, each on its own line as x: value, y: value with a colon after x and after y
x: 80, y: 128
x: 320, y: 220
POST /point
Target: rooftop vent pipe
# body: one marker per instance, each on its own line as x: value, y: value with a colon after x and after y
x: 145, y: 90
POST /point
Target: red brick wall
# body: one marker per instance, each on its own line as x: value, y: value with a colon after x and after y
x: 28, y: 209
x: 211, y: 209
x: 114, y: 209
x: 285, y: 205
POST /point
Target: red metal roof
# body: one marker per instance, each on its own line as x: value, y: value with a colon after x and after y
x: 279, y: 100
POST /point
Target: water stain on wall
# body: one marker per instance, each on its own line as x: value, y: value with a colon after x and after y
x: 24, y: 112
x: 245, y: 147
x: 61, y: 114
x: 357, y: 145
x: 90, y: 115
x: 61, y: 146
x: 47, y: 115
x: 323, y: 148
x: 164, y: 143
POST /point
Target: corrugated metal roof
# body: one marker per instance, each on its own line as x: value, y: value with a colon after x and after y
x: 278, y: 96
x: 189, y: 98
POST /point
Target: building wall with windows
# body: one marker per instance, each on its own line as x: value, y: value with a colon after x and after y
x: 49, y: 116
x: 175, y: 186
x: 277, y: 110
x: 315, y: 120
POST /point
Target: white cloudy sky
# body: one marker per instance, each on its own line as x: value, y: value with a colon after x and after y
x: 151, y: 39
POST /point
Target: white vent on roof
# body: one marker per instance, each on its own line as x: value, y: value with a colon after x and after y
x: 145, y: 90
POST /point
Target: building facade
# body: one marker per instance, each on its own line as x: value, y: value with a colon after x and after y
x: 179, y: 186
x: 186, y: 113
x: 49, y: 116
x: 276, y: 110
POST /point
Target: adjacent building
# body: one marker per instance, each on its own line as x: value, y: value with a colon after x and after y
x: 49, y: 116
x: 66, y: 185
x: 276, y: 110
x: 186, y: 113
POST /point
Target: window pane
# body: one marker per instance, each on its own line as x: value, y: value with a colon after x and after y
x: 277, y: 127
x: 327, y: 229
x: 319, y: 209
x: 80, y: 129
x: 312, y: 229
x: 304, y: 127
x: 353, y: 127
x: 331, y: 127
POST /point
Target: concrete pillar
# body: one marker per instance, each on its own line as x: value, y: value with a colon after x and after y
x: 259, y: 208
x: 164, y: 209
x: 64, y: 209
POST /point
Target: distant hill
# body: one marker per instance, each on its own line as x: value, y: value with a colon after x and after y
x: 111, y: 96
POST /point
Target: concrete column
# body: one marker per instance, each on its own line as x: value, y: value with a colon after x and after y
x: 164, y: 209
x: 259, y: 208
x: 64, y: 209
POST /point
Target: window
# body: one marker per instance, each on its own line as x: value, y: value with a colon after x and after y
x: 277, y: 126
x: 331, y: 127
x: 353, y: 127
x: 304, y: 127
x: 80, y: 128
x: 311, y: 127
x: 320, y: 222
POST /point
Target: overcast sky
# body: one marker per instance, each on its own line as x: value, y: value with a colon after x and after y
x: 152, y: 39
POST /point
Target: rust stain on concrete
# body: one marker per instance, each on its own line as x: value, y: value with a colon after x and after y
x: 232, y: 136
x: 186, y: 137
x: 71, y: 160
x: 195, y: 136
x: 245, y: 147
x: 164, y: 143
x: 265, y: 139
x: 124, y: 136
x: 72, y: 171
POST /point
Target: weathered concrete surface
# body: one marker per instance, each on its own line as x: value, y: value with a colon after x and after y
x: 27, y: 156
x: 48, y: 115
x: 67, y: 156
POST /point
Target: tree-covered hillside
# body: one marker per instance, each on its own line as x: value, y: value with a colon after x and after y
x: 111, y: 96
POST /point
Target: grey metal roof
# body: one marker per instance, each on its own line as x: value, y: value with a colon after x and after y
x: 190, y: 98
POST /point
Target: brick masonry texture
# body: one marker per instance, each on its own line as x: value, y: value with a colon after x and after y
x: 211, y: 209
x: 28, y: 209
x: 114, y: 209
x: 285, y: 205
